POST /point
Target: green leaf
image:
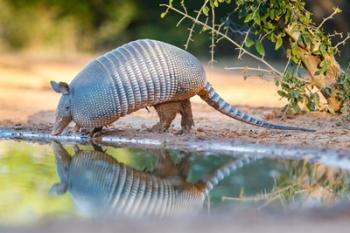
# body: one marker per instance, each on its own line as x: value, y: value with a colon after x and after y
x: 205, y: 28
x: 257, y: 18
x: 295, y: 50
x: 337, y: 10
x: 216, y: 3
x: 323, y: 50
x: 279, y: 43
x: 306, y: 40
x: 272, y: 14
x: 282, y: 93
x: 315, y: 98
x: 249, y: 42
x: 318, y: 72
x: 324, y: 67
x: 270, y: 26
x: 248, y: 18
x: 260, y: 48
x: 206, y: 11
x: 330, y: 109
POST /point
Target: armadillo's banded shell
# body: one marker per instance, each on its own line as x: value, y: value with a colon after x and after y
x: 101, y: 187
x: 138, y: 74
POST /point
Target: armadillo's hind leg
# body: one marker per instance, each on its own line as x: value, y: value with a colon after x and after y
x: 167, y: 113
x: 186, y: 116
x: 76, y: 128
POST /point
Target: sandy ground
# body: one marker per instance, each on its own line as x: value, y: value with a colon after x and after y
x: 26, y: 101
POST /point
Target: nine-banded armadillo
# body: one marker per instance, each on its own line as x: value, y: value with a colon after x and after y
x: 135, y: 75
x: 100, y: 186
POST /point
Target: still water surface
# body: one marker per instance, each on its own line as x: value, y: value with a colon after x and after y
x: 40, y: 181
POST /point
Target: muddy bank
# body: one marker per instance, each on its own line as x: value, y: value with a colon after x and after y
x: 332, y: 132
x: 236, y: 148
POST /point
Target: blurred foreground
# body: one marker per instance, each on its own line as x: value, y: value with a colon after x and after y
x: 78, y: 188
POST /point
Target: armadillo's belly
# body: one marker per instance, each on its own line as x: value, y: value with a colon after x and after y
x: 102, y: 188
x: 138, y: 74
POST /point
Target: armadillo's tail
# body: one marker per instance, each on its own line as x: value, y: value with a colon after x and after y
x: 222, y: 172
x: 209, y: 95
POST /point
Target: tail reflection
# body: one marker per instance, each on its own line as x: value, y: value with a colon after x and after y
x: 100, y: 186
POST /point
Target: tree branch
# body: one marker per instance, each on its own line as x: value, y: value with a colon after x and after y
x: 212, y: 45
x: 335, y: 11
x: 189, y: 38
x: 196, y: 21
x: 343, y: 41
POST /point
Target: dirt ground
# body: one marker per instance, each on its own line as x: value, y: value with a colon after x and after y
x: 26, y: 101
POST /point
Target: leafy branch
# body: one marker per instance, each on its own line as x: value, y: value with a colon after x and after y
x: 221, y: 34
x: 284, y: 23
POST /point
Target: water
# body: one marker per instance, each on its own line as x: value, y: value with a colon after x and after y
x: 50, y: 181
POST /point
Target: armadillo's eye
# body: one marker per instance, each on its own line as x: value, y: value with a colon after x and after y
x: 67, y: 108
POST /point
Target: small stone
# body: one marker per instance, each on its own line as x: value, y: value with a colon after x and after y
x: 339, y: 123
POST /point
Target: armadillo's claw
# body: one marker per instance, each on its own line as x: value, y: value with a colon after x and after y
x: 159, y: 128
x: 60, y: 124
x: 183, y: 131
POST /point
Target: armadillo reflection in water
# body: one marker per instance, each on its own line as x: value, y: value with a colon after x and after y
x: 101, y: 186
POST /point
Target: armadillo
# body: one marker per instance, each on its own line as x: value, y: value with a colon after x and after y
x: 136, y: 75
x: 101, y: 186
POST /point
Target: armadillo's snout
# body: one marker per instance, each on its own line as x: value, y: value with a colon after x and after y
x: 60, y: 124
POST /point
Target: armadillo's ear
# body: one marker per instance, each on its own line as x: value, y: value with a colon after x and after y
x: 60, y: 87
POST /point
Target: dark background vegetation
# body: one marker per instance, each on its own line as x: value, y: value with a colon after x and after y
x: 67, y: 26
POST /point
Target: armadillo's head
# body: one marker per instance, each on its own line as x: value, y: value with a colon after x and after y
x: 63, y: 160
x: 63, y: 111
